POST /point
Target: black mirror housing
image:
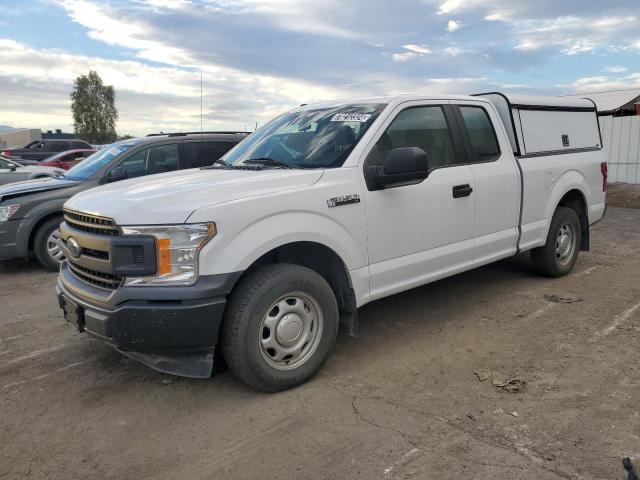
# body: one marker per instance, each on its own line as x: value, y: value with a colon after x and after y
x: 117, y: 173
x: 402, y: 166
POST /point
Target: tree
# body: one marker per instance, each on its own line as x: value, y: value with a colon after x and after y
x: 94, y: 110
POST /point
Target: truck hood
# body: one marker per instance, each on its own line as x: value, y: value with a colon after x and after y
x: 28, y: 187
x: 172, y: 197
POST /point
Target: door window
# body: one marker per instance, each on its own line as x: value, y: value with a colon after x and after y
x: 157, y: 159
x: 423, y: 127
x: 197, y: 154
x: 59, y: 146
x: 482, y: 137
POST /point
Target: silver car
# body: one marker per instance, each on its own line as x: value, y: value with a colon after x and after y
x: 11, y: 171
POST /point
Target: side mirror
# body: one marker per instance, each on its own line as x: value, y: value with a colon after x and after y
x: 403, y: 166
x: 118, y: 173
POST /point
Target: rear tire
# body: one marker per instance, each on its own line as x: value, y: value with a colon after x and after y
x: 44, y: 244
x: 559, y: 254
x: 280, y: 325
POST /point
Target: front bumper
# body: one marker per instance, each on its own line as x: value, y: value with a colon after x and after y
x: 174, y: 330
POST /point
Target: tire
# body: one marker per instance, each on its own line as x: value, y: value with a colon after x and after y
x: 279, y: 310
x: 559, y: 254
x: 42, y: 245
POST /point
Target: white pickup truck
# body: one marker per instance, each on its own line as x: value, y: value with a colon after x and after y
x: 261, y: 258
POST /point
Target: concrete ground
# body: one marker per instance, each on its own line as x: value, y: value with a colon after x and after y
x: 495, y: 373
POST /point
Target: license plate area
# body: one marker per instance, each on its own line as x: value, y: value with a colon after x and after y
x: 74, y: 314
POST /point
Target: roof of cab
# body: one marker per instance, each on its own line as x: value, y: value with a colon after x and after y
x: 389, y: 99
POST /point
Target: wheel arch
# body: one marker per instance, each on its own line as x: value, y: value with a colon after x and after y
x: 327, y: 263
x: 36, y: 226
x: 572, y: 190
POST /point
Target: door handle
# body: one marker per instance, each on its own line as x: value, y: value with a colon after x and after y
x: 460, y: 191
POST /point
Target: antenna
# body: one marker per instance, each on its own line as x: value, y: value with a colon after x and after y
x: 201, y: 129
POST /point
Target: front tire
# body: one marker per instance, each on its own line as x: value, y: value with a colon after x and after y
x: 559, y: 254
x: 280, y: 325
x: 46, y: 244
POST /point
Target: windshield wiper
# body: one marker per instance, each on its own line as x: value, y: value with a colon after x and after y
x: 270, y: 162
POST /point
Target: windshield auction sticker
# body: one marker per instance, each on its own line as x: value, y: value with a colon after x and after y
x: 351, y: 117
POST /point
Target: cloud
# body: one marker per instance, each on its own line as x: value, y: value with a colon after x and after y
x: 150, y: 98
x: 616, y: 69
x: 414, y: 52
x: 453, y: 25
x: 419, y: 49
x: 405, y: 57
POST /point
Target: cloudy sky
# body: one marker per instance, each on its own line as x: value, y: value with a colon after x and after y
x: 261, y: 57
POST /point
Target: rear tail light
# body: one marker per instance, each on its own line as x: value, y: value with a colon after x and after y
x: 6, y: 153
x: 604, y: 169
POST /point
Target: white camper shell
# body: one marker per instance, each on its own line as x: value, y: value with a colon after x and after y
x: 539, y: 126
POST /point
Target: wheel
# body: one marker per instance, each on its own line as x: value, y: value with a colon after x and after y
x: 46, y: 244
x: 558, y: 256
x: 279, y: 327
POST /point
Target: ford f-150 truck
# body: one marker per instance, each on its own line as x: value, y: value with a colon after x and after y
x: 261, y: 258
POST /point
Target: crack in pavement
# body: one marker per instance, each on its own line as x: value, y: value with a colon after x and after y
x: 535, y: 459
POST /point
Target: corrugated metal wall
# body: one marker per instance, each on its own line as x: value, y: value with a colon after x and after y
x: 621, y: 138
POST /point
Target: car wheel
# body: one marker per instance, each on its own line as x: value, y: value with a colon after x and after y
x: 559, y: 254
x: 47, y: 244
x: 279, y: 327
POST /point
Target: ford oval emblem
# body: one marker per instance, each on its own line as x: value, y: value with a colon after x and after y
x: 74, y: 247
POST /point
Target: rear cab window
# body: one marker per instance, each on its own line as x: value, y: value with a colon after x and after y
x: 480, y: 136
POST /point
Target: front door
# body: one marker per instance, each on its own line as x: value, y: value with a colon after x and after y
x: 419, y: 233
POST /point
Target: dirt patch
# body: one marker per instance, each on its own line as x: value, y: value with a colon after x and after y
x: 434, y: 387
x: 623, y: 195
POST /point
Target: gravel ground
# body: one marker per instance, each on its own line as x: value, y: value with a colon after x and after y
x: 495, y: 373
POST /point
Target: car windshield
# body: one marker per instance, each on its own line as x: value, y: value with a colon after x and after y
x: 5, y: 163
x: 93, y: 163
x: 318, y: 138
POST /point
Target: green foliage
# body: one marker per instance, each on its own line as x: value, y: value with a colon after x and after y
x: 93, y: 108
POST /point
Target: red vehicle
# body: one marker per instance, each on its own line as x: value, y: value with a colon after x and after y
x: 67, y: 159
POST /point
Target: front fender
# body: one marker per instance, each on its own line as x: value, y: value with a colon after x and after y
x: 232, y: 252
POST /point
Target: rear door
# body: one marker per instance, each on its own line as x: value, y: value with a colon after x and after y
x: 418, y: 233
x: 496, y: 180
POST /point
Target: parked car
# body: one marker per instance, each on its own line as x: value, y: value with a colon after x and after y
x: 68, y: 159
x: 31, y: 212
x: 264, y: 255
x: 41, y: 149
x: 11, y: 171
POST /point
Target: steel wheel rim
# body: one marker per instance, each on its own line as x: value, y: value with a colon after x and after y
x: 54, y: 246
x: 290, y: 331
x: 565, y: 244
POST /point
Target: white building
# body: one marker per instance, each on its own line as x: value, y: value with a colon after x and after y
x: 20, y: 137
x: 619, y: 113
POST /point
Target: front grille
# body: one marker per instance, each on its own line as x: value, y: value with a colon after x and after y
x: 99, y: 279
x: 91, y: 223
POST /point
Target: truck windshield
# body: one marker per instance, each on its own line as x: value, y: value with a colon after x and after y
x: 93, y: 163
x: 319, y: 138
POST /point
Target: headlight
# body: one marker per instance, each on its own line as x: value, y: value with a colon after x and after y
x: 178, y: 247
x: 8, y: 211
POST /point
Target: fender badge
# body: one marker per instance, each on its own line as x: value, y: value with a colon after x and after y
x: 343, y: 200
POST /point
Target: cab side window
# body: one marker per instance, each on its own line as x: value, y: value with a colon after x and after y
x: 157, y: 159
x: 481, y: 135
x: 423, y: 127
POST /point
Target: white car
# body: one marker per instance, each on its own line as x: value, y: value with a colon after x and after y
x: 11, y: 171
x: 264, y: 256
